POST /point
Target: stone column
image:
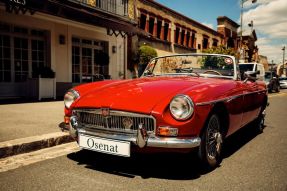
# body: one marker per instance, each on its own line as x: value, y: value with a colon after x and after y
x: 169, y: 32
x: 184, y: 38
x: 179, y: 36
x: 155, y: 27
x: 147, y: 23
x: 162, y: 30
x: 189, y: 43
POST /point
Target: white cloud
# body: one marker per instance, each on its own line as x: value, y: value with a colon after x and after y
x: 270, y: 23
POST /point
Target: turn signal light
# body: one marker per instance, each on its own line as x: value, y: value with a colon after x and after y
x: 167, y: 131
x: 67, y: 119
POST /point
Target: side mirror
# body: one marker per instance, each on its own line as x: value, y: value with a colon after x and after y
x: 251, y: 76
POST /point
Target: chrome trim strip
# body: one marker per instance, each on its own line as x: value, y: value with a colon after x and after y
x: 228, y: 99
x: 153, y: 141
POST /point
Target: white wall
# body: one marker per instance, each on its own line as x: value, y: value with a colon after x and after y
x: 61, y: 55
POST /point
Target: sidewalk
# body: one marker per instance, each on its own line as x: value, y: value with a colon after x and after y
x: 26, y: 127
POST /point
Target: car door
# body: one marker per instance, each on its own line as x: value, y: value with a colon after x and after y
x: 251, y: 101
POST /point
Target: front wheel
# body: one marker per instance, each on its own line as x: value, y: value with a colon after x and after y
x: 211, y: 143
x: 260, y: 122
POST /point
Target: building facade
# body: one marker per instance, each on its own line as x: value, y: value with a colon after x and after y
x: 78, y: 40
x: 171, y: 32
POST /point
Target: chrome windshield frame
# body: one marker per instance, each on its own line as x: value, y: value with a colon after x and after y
x: 235, y: 67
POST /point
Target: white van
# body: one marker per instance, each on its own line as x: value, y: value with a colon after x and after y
x: 253, y: 67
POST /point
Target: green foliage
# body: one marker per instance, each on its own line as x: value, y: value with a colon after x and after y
x: 216, y: 62
x: 220, y: 50
x: 145, y: 54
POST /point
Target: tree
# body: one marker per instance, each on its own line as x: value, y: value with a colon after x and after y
x: 144, y: 55
x: 220, y: 50
x: 214, y: 62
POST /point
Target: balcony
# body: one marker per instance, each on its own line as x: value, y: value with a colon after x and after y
x: 119, y: 7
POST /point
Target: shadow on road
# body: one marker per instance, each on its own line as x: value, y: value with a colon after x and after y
x: 173, y: 166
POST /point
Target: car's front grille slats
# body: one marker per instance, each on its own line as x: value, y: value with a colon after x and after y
x: 115, y: 120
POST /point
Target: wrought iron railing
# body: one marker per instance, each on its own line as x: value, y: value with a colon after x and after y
x: 119, y: 7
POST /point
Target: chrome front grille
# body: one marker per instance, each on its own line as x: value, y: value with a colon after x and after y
x: 116, y: 120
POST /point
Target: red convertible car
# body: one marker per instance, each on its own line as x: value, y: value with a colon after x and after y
x: 180, y: 103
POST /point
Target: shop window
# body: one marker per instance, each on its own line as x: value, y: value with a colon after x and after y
x: 39, y: 33
x: 21, y: 30
x: 85, y: 60
x: 21, y: 59
x: 76, y: 64
x: 151, y: 25
x: 5, y: 66
x: 4, y: 27
x: 22, y: 52
x: 84, y: 41
x: 38, y: 56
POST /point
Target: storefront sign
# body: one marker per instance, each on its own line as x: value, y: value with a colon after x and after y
x: 19, y: 2
x: 18, y: 6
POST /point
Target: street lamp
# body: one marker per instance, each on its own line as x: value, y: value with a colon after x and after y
x: 241, y: 21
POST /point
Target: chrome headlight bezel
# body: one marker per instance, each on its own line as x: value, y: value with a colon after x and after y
x: 70, y: 97
x: 181, y: 107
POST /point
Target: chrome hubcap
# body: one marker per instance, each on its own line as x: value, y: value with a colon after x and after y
x: 214, y: 138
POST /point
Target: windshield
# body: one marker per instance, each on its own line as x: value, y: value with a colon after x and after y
x: 208, y: 65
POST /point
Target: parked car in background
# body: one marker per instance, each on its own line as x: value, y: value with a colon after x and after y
x: 252, y: 67
x: 283, y: 82
x: 272, y: 81
x: 180, y: 103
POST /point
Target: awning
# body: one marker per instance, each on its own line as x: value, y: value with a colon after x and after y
x: 77, y: 11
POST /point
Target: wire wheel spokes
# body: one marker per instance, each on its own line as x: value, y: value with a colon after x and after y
x: 213, y: 138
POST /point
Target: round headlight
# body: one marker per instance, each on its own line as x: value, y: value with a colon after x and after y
x: 181, y: 107
x: 70, y: 97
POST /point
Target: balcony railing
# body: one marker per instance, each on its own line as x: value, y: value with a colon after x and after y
x: 119, y: 7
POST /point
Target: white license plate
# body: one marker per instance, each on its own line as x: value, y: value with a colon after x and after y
x: 114, y: 147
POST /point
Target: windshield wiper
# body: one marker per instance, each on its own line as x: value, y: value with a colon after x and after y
x: 186, y: 70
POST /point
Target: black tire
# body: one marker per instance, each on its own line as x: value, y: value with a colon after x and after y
x: 277, y: 88
x: 260, y: 122
x: 210, y: 148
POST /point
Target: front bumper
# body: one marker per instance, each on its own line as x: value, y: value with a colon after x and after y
x: 142, y: 139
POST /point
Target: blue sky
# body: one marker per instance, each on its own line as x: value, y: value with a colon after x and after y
x: 269, y: 17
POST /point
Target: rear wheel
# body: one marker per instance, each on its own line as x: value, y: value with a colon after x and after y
x: 211, y: 143
x: 277, y: 89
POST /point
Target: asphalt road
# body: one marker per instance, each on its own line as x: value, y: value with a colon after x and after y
x: 251, y: 162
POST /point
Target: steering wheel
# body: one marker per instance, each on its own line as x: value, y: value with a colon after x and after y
x: 213, y: 71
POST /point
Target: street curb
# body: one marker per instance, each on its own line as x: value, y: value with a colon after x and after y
x: 24, y: 145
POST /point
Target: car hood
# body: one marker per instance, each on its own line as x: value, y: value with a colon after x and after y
x: 140, y: 95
